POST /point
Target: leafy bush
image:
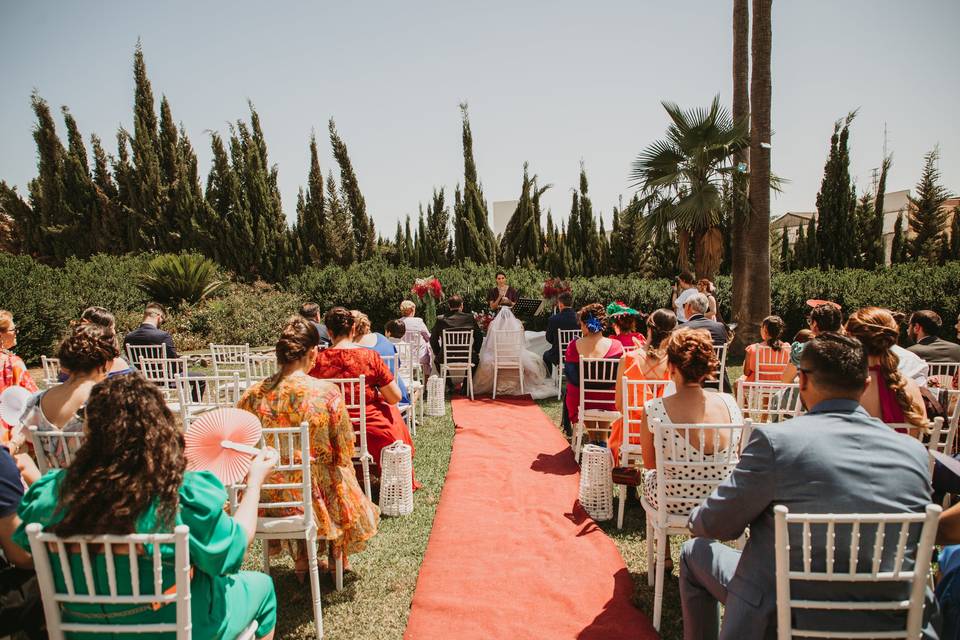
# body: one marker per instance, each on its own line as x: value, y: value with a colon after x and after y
x: 182, y: 278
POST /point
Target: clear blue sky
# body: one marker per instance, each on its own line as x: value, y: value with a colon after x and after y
x: 548, y: 82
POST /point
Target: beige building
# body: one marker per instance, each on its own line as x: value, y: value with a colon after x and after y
x: 502, y: 212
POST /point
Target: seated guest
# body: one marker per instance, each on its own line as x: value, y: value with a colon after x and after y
x: 86, y: 356
x: 647, y: 363
x: 104, y: 319
x: 624, y: 320
x: 311, y: 312
x: 149, y: 331
x: 416, y: 325
x: 683, y: 289
x: 800, y: 340
x: 395, y: 330
x: 459, y: 320
x: 779, y: 354
x: 502, y: 295
x: 690, y: 359
x: 811, y: 464
x: 708, y: 289
x: 379, y: 343
x: 592, y: 344
x: 347, y: 359
x: 825, y: 317
x: 13, y: 372
x: 694, y: 308
x: 129, y: 477
x: 345, y: 518
x: 923, y: 328
x: 565, y: 318
x: 890, y: 396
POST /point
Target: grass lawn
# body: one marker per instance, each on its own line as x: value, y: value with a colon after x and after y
x: 375, y: 600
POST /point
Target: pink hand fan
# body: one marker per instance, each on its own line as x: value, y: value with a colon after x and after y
x: 221, y: 441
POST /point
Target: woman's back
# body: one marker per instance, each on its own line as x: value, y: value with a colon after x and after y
x: 880, y: 401
x: 706, y: 407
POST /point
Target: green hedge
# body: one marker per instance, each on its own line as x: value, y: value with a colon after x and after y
x: 44, y: 300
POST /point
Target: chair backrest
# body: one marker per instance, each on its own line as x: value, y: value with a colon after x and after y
x: 457, y: 347
x: 163, y: 372
x: 91, y: 587
x: 354, y: 394
x: 405, y: 357
x: 51, y: 371
x: 414, y: 339
x: 721, y: 352
x: 945, y: 373
x: 293, y: 445
x: 55, y: 449
x: 633, y: 395
x: 937, y: 437
x: 953, y: 411
x: 686, y: 474
x: 228, y: 358
x: 855, y: 549
x: 769, y: 401
x: 261, y: 365
x: 137, y: 351
x: 768, y: 365
x: 564, y: 338
x: 598, y: 380
x: 508, y: 347
x: 218, y: 391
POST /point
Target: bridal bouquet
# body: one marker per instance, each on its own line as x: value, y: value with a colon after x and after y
x: 483, y: 320
x: 429, y: 291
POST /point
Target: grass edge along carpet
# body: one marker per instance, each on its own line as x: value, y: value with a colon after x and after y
x: 512, y: 554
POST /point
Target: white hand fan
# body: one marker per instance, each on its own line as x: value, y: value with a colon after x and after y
x: 12, y: 402
x: 221, y: 441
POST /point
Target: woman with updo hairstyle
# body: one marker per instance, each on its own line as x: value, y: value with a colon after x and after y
x: 344, y: 358
x: 690, y: 360
x: 130, y: 477
x: 102, y: 318
x: 382, y: 345
x: 591, y: 344
x: 647, y: 363
x: 86, y: 356
x: 773, y: 354
x: 345, y: 518
x: 13, y: 372
x: 890, y: 395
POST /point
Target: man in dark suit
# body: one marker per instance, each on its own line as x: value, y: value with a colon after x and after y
x: 694, y: 309
x: 456, y: 319
x: 565, y: 318
x: 923, y: 329
x: 149, y: 331
x: 811, y: 464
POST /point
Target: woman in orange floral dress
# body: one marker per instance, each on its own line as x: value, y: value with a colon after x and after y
x: 13, y: 373
x: 345, y: 518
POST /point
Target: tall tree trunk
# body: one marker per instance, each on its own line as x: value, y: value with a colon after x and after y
x: 757, y: 281
x: 741, y: 110
x: 708, y: 252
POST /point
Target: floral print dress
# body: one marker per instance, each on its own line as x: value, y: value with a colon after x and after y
x: 345, y: 518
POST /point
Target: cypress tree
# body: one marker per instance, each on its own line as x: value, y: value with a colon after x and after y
x: 79, y: 194
x: 226, y: 198
x: 799, y: 253
x: 785, y: 262
x: 926, y: 216
x: 54, y: 220
x: 473, y: 238
x: 955, y: 234
x: 311, y: 216
x: 438, y: 229
x: 522, y: 240
x: 898, y: 250
x: 575, y: 236
x: 147, y: 192
x: 364, y: 234
x: 24, y: 231
x: 813, y: 246
x: 339, y: 236
x: 863, y: 216
x: 399, y: 257
x: 421, y: 250
x: 834, y: 204
x: 875, y: 254
x: 408, y: 244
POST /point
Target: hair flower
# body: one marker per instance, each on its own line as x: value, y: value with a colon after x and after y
x: 593, y: 324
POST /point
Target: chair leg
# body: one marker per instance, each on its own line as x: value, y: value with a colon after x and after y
x: 651, y: 553
x: 338, y: 579
x: 577, y: 439
x: 658, y: 585
x: 470, y: 383
x: 621, y: 507
x: 365, y: 464
x: 496, y: 370
x: 266, y: 555
x: 520, y: 369
x: 315, y: 583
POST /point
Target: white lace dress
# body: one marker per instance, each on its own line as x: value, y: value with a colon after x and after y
x: 656, y: 411
x: 536, y: 383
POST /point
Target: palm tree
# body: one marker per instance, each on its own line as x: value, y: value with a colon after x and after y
x: 683, y: 174
x: 741, y: 113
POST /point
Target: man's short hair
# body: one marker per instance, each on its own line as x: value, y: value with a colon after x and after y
x: 395, y: 328
x: 154, y: 309
x: 699, y: 302
x: 686, y: 276
x: 566, y: 299
x: 835, y: 362
x: 928, y: 320
x: 828, y: 317
x: 455, y: 302
x: 310, y: 311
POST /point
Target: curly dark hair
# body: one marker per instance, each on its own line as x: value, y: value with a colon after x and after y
x: 132, y: 458
x: 596, y: 310
x: 827, y: 316
x: 297, y: 337
x: 691, y: 352
x: 835, y: 362
x: 339, y: 322
x: 99, y: 316
x: 87, y: 348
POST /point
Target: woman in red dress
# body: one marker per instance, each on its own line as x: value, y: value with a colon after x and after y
x: 346, y: 359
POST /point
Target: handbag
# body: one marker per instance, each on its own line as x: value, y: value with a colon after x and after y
x: 630, y: 476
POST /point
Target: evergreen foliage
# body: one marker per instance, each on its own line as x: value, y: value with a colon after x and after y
x: 898, y: 249
x: 875, y: 251
x: 522, y: 242
x: 955, y: 234
x: 927, y: 217
x: 364, y: 234
x: 835, y: 202
x: 473, y: 238
x: 312, y: 213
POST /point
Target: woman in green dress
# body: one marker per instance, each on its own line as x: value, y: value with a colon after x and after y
x: 129, y: 477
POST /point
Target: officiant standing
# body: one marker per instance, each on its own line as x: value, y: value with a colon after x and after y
x: 502, y: 295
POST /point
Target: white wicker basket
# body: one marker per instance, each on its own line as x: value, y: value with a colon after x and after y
x: 596, y: 482
x: 435, y: 406
x: 396, y: 480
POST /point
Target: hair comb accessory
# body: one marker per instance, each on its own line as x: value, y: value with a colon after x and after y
x: 593, y: 324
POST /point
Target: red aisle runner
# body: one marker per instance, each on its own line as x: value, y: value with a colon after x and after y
x: 509, y: 556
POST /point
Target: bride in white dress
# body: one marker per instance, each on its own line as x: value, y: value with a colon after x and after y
x: 536, y: 383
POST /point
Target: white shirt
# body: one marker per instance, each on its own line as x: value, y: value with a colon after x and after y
x: 417, y: 325
x: 911, y: 365
x: 681, y: 300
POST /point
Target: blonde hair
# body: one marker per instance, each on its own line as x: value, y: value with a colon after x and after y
x: 407, y: 307
x: 361, y: 323
x: 6, y: 319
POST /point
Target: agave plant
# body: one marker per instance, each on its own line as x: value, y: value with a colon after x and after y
x: 175, y: 279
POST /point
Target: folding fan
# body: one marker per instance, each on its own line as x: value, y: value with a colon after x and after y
x: 12, y: 402
x: 221, y: 441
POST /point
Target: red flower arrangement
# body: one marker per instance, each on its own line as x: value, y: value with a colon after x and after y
x: 427, y: 286
x: 483, y: 320
x: 554, y: 287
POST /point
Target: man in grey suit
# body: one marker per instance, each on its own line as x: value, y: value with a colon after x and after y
x: 694, y: 309
x: 834, y: 459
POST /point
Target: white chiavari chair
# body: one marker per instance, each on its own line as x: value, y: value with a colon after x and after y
x: 231, y: 358
x: 564, y: 338
x: 721, y: 352
x: 769, y: 364
x: 633, y: 395
x: 938, y: 436
x: 217, y: 392
x: 354, y: 394
x: 458, y: 356
x: 944, y: 373
x: 406, y: 366
x: 51, y: 371
x: 137, y: 351
x: 55, y: 449
x: 163, y: 372
x: 261, y: 366
x: 508, y: 349
x: 598, y: 392
x: 769, y: 401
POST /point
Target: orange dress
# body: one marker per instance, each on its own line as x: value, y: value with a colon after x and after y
x: 636, y: 367
x: 13, y: 373
x: 773, y: 362
x: 385, y: 425
x: 345, y: 518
